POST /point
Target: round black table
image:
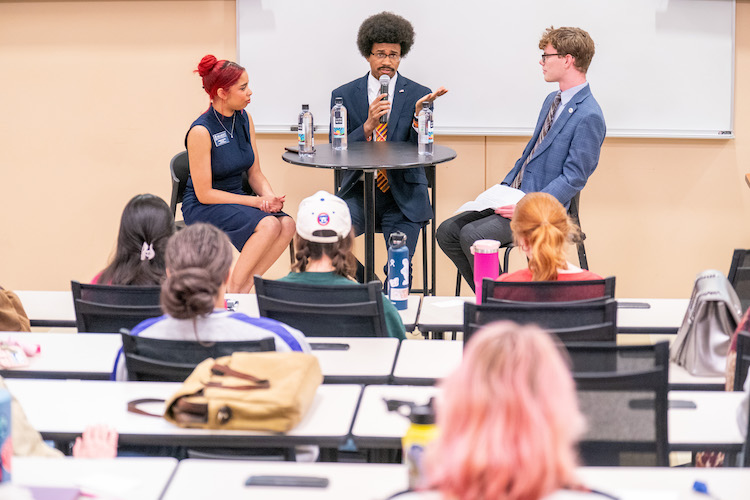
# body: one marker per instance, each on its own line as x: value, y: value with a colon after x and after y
x: 369, y: 157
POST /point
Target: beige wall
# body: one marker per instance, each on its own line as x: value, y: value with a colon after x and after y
x: 97, y: 95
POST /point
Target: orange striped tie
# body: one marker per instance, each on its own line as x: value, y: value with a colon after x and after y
x: 381, y: 180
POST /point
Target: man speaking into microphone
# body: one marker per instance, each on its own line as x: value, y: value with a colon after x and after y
x: 382, y: 106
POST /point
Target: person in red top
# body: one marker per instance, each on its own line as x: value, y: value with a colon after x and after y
x: 542, y: 229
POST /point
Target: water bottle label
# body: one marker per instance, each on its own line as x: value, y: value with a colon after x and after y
x: 398, y: 293
x: 301, y: 137
x: 430, y: 133
x: 338, y: 127
x: 423, y: 129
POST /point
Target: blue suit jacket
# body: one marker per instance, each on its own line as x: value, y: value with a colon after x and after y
x: 409, y: 185
x: 569, y: 153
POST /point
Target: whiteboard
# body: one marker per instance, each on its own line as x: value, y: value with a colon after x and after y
x: 663, y: 68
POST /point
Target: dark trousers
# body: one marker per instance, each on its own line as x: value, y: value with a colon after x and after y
x: 388, y: 218
x: 457, y: 234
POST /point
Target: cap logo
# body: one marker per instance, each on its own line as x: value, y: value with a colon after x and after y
x: 323, y: 219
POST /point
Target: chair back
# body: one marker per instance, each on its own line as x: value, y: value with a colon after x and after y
x: 179, y: 168
x: 548, y: 291
x: 570, y: 321
x: 161, y: 360
x: 743, y: 360
x: 739, y: 276
x: 108, y: 308
x: 622, y: 392
x: 324, y: 310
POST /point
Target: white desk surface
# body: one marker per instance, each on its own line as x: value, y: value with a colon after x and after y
x: 55, y: 308
x: 226, y: 479
x: 663, y: 316
x: 423, y: 362
x: 367, y: 360
x: 48, y: 308
x: 92, y: 356
x: 122, y: 478
x: 712, y: 423
x: 67, y: 355
x: 61, y: 409
x: 440, y: 313
x: 667, y: 483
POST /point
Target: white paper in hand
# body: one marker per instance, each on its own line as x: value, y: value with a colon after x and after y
x: 498, y: 195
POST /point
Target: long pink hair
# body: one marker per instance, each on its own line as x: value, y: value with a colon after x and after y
x: 508, y: 419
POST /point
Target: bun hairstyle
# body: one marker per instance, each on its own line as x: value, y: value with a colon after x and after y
x: 218, y: 74
x: 543, y: 223
x: 198, y: 259
x: 145, y: 226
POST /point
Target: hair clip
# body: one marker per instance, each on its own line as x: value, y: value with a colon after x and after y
x: 147, y: 251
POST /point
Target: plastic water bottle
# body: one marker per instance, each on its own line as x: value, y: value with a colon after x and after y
x: 338, y: 125
x: 305, y: 132
x: 426, y: 137
x: 398, y: 270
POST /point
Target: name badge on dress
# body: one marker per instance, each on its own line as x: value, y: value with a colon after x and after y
x: 220, y: 139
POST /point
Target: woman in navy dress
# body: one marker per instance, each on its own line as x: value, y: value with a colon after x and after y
x: 221, y: 146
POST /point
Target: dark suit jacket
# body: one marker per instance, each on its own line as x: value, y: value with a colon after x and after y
x: 409, y: 185
x: 569, y: 153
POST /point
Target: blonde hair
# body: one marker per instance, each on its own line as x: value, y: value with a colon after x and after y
x: 542, y: 222
x: 573, y: 41
x: 509, y: 419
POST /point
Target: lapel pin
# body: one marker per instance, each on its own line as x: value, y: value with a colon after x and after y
x: 401, y: 91
x: 570, y: 110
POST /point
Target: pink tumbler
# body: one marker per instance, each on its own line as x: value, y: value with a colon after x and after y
x: 486, y: 263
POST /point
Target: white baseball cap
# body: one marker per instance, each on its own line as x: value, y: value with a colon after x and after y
x: 323, y: 218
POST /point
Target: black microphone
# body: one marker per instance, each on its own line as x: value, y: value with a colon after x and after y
x: 384, y: 81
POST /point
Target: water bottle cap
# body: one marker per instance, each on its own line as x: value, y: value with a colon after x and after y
x: 485, y: 246
x: 397, y: 240
x: 305, y: 107
x: 422, y: 415
x: 339, y: 100
x: 425, y: 105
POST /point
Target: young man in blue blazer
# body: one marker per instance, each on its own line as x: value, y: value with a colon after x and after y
x: 561, y: 155
x: 402, y: 203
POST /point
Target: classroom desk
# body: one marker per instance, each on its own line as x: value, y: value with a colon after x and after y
x: 366, y: 361
x: 55, y: 308
x: 445, y: 314
x: 122, y: 478
x: 92, y: 357
x: 710, y: 426
x: 423, y: 362
x: 47, y: 308
x: 67, y: 355
x: 61, y: 409
x: 226, y: 479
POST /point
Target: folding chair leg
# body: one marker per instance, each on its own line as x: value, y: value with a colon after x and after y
x: 458, y: 283
x: 582, y: 261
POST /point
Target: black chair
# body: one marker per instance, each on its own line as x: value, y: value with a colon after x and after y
x: 429, y: 283
x: 179, y: 168
x: 548, y: 291
x: 109, y: 308
x: 625, y: 404
x: 743, y: 360
x: 324, y: 311
x: 569, y: 321
x: 160, y: 360
x: 573, y: 214
x: 739, y: 276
